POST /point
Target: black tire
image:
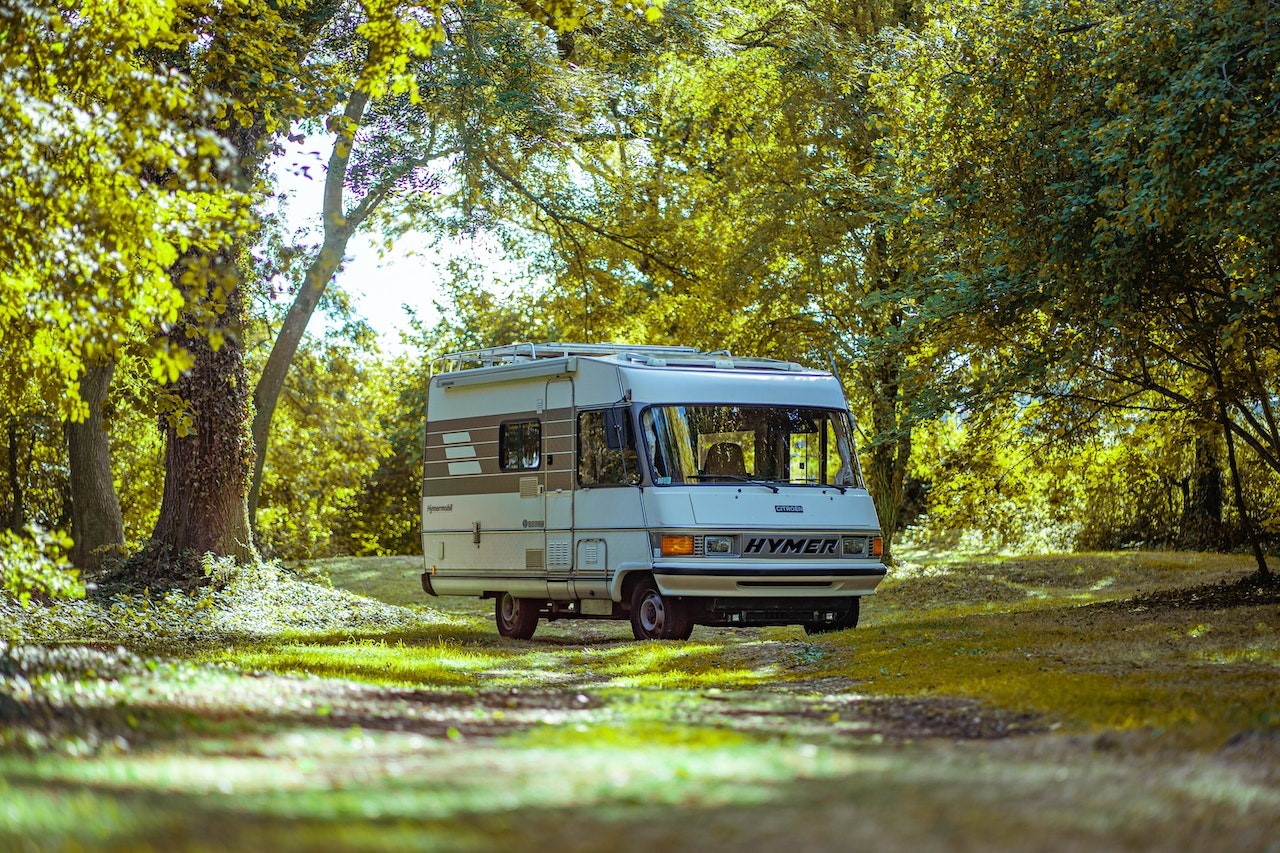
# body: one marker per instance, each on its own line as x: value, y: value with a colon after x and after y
x: 848, y: 620
x: 517, y: 618
x: 655, y: 616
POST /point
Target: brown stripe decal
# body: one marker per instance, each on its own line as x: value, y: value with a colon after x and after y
x: 483, y: 484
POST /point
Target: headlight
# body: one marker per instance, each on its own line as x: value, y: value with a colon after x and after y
x: 853, y: 546
x: 718, y: 545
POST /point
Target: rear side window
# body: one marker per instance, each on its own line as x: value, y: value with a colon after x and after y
x: 519, y: 445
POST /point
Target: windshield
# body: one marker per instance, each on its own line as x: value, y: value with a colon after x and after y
x: 731, y: 443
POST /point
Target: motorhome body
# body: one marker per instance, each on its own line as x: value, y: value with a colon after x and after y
x: 663, y: 485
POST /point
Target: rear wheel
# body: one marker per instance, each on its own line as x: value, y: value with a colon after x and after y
x: 655, y: 616
x: 517, y: 618
x: 842, y: 622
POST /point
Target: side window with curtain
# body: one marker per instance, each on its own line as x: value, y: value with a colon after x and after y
x: 598, y: 465
x: 520, y: 446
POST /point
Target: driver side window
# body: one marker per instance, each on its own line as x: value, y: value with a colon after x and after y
x: 598, y: 465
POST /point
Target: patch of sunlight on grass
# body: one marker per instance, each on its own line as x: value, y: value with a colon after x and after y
x: 654, y: 664
x: 635, y: 735
x: 674, y: 665
x: 588, y: 775
x: 299, y: 760
x: 64, y: 812
x: 557, y: 769
x: 180, y: 773
x: 441, y: 663
x: 394, y: 580
x: 1086, y: 668
x: 1263, y: 656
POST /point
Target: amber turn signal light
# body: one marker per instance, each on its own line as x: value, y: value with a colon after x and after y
x: 877, y: 546
x: 677, y: 546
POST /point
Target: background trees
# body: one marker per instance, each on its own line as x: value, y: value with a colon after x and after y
x: 1102, y: 178
x: 1035, y: 241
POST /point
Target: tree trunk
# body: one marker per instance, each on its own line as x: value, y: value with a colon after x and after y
x: 208, y: 444
x: 1264, y: 571
x: 266, y: 394
x: 338, y: 228
x: 208, y: 452
x: 17, y: 510
x: 96, y: 522
x: 1224, y: 420
x: 1202, y: 514
x: 891, y: 448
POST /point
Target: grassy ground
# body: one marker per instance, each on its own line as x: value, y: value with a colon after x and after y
x: 1116, y: 700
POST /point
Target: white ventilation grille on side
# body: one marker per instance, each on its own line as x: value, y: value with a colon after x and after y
x: 559, y: 554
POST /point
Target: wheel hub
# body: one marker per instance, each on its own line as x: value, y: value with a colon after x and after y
x: 652, y: 614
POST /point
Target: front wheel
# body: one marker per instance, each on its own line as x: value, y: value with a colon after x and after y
x: 517, y: 618
x: 846, y: 620
x: 655, y: 616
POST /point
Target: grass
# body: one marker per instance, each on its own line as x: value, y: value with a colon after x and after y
x: 1025, y: 703
x: 1023, y: 634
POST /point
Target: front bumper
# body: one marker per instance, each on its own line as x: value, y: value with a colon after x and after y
x: 740, y: 579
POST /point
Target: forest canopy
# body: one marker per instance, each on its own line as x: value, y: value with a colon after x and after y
x: 1036, y: 241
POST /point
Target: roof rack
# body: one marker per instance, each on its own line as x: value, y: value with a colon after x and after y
x: 655, y: 356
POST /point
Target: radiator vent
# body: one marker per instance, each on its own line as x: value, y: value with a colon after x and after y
x: 533, y: 558
x: 529, y: 487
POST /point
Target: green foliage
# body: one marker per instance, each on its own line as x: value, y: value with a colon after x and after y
x: 35, y: 489
x: 243, y: 601
x: 1092, y: 183
x: 718, y: 188
x: 328, y: 441
x: 1014, y: 478
x: 108, y: 183
x: 385, y: 516
x: 34, y: 564
x: 1051, y: 220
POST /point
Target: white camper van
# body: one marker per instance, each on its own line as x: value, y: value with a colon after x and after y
x: 663, y: 485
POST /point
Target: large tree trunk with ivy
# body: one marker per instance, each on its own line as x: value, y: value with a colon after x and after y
x: 208, y: 451
x: 96, y: 521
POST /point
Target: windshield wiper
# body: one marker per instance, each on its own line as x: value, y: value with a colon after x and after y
x: 813, y: 481
x: 734, y: 478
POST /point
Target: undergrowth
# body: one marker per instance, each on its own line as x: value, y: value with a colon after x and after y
x: 242, y: 601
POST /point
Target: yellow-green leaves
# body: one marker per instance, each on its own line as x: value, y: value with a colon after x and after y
x: 398, y: 35
x: 104, y: 178
x: 34, y: 562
